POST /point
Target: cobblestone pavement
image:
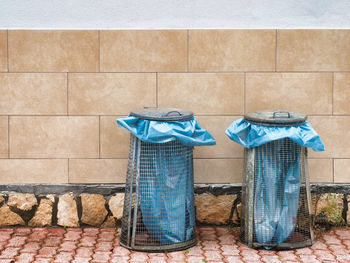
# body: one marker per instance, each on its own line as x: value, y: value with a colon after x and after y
x: 216, y: 244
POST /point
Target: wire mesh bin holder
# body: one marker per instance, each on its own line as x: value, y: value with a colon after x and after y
x: 135, y: 232
x: 276, y: 199
x: 305, y: 236
x: 159, y: 211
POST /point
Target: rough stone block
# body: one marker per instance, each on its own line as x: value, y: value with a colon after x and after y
x: 348, y: 212
x: 236, y: 219
x: 329, y: 209
x: 110, y: 222
x: 9, y: 218
x: 1, y: 198
x: 116, y: 204
x: 43, y: 215
x: 213, y: 209
x: 67, y: 213
x: 21, y: 201
x: 93, y: 209
x: 314, y: 200
x: 51, y: 198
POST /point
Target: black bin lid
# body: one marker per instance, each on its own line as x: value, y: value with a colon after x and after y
x: 163, y: 114
x: 275, y: 118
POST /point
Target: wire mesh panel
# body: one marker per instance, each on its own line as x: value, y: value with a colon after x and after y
x: 276, y: 196
x: 159, y: 212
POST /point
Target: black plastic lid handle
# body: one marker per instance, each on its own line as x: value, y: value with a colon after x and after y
x: 173, y: 111
x: 163, y: 114
x: 276, y: 118
x: 274, y: 115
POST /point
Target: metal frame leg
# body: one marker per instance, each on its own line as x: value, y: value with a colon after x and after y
x: 249, y: 205
x: 137, y: 179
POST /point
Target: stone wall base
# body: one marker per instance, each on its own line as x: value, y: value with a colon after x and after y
x: 102, y: 205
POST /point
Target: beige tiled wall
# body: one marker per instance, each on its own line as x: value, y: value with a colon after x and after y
x: 61, y: 92
x: 4, y: 137
x: 143, y: 51
x: 3, y: 51
x: 53, y: 51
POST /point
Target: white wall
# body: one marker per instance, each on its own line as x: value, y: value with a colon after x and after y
x: 149, y: 14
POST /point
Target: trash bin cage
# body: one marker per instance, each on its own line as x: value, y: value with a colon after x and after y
x: 276, y: 198
x: 159, y: 212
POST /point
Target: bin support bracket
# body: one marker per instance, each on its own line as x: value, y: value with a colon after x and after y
x: 132, y: 171
x: 250, y: 166
x: 137, y: 179
x: 308, y: 192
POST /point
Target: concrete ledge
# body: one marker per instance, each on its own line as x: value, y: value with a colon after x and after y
x: 109, y: 189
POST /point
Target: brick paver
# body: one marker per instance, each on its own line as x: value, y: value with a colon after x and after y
x: 99, y: 245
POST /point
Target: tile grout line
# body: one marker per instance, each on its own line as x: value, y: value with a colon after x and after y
x: 85, y: 158
x: 8, y: 137
x: 67, y: 94
x: 68, y: 160
x: 333, y: 82
x: 182, y: 72
x: 276, y: 32
x: 7, y: 50
x: 245, y: 94
x: 99, y: 52
x: 99, y: 137
x: 157, y: 89
x: 333, y: 169
x: 188, y: 50
x: 123, y: 115
x: 126, y: 158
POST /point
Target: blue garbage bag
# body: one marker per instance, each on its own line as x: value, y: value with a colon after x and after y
x: 276, y: 188
x: 251, y: 135
x: 166, y: 193
x: 277, y: 174
x: 188, y: 133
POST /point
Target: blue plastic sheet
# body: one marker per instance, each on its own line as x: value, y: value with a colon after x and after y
x: 167, y: 203
x: 166, y: 193
x: 251, y: 135
x: 277, y: 174
x: 276, y: 188
x: 188, y: 133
